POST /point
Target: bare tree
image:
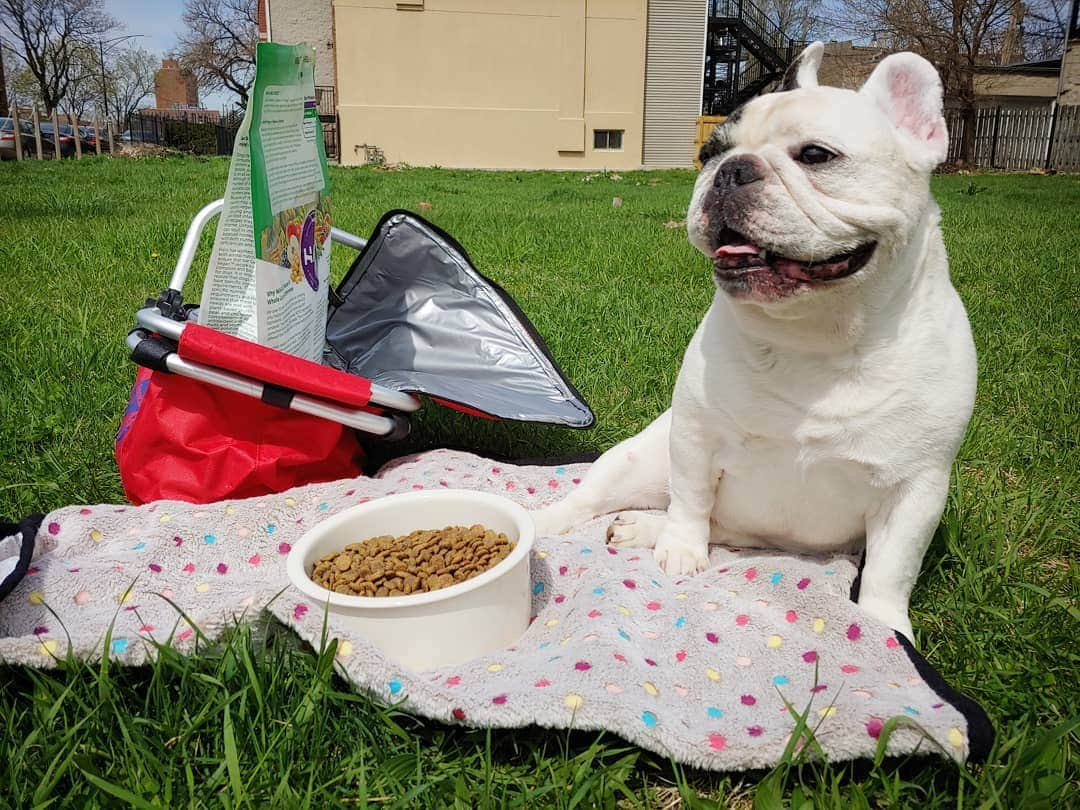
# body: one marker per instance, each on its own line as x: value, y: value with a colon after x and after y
x: 957, y: 36
x: 219, y: 45
x: 49, y: 34
x: 800, y: 20
x: 131, y: 79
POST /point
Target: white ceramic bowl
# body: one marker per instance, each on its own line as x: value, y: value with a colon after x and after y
x: 441, y: 628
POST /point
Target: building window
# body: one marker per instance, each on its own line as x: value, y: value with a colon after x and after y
x: 607, y: 138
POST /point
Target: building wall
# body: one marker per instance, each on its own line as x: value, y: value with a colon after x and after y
x: 174, y: 87
x: 1070, y: 86
x: 310, y: 21
x: 491, y: 83
x: 1013, y: 87
x: 674, y: 82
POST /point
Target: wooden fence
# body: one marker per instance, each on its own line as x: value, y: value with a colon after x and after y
x: 42, y: 138
x: 1020, y: 138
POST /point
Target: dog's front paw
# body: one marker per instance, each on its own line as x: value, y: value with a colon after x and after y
x: 678, y: 556
x: 890, y: 615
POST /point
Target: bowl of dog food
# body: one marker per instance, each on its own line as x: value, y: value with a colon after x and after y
x: 432, y: 578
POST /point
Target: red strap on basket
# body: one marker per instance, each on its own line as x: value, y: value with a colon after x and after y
x: 201, y: 344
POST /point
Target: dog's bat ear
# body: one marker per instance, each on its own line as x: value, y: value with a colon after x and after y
x: 803, y: 71
x: 907, y: 89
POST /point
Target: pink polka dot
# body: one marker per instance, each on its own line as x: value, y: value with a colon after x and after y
x: 629, y: 583
x: 184, y: 635
x: 748, y: 700
x: 222, y: 568
x: 576, y: 480
x: 791, y: 616
x: 155, y: 568
x: 54, y: 528
x: 459, y: 715
x: 189, y: 568
x: 582, y: 666
x: 803, y: 583
x: 874, y: 727
x: 854, y: 632
x: 350, y: 493
x: 417, y: 486
x: 542, y: 683
x: 178, y: 541
x: 742, y: 620
x: 284, y: 548
x: 84, y: 511
x: 509, y: 485
x: 146, y: 628
x: 818, y: 688
x: 620, y: 658
x: 499, y: 700
x: 755, y: 731
x: 712, y: 638
x: 849, y: 669
x: 612, y: 551
x: 650, y: 662
x: 595, y: 614
x: 652, y: 606
x: 560, y: 599
x: 717, y: 742
x: 553, y: 484
x: 892, y: 643
x: 680, y: 656
x: 496, y: 470
x: 300, y: 611
x: 809, y: 656
x: 562, y: 570
x: 750, y: 573
x: 453, y: 680
x: 40, y: 631
x: 531, y: 490
x: 254, y: 559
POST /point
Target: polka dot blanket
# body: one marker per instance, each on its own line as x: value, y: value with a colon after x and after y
x: 714, y: 670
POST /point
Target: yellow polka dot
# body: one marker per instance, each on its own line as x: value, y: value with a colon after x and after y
x: 125, y: 597
x: 774, y: 641
x: 290, y: 501
x: 165, y: 518
x: 202, y: 587
x: 566, y: 641
x: 551, y: 622
x: 47, y: 647
x: 541, y: 555
x: 35, y: 598
x: 623, y: 611
x: 828, y: 711
x: 713, y: 674
x: 763, y: 602
x: 495, y: 668
x: 573, y: 702
x: 733, y: 593
x: 680, y: 595
x: 650, y: 688
x: 229, y: 510
x: 819, y: 626
x: 956, y: 738
x: 95, y: 535
x: 344, y: 649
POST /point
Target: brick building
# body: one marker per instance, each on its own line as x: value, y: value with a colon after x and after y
x: 175, y: 87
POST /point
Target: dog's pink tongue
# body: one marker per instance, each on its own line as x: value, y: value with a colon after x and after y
x: 737, y: 250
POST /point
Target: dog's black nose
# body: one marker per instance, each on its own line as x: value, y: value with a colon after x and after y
x: 740, y: 170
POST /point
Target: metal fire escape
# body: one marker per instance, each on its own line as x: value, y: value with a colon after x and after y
x: 745, y: 52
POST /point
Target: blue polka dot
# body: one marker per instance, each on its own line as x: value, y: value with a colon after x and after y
x: 586, y: 551
x: 271, y: 528
x: 775, y: 578
x: 323, y: 506
x: 119, y: 645
x: 624, y: 634
x: 679, y: 622
x: 649, y: 719
x: 654, y: 582
x: 544, y: 644
x: 598, y: 591
x: 911, y: 711
x: 830, y: 573
x: 209, y: 539
x: 395, y: 687
x: 560, y: 470
x: 780, y: 680
x: 555, y: 658
x: 714, y: 713
x: 138, y: 547
x: 538, y: 587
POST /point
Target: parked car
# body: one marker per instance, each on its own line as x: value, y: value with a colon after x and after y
x: 144, y: 135
x: 67, y: 142
x: 7, y: 140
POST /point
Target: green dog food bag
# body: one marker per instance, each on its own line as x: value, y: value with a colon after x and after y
x: 269, y: 271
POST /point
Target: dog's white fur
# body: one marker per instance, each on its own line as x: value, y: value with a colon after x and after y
x: 829, y: 418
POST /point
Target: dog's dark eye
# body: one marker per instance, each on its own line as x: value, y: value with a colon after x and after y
x: 815, y: 154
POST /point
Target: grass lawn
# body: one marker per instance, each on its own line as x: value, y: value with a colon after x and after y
x: 259, y: 720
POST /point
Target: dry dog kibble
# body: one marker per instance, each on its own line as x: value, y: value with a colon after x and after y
x: 425, y: 560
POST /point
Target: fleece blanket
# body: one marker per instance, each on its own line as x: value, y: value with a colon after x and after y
x: 717, y: 670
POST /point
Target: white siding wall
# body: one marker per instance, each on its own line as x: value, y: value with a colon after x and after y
x: 674, y: 73
x: 310, y: 21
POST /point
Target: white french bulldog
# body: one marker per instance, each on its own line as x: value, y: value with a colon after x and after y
x: 822, y: 400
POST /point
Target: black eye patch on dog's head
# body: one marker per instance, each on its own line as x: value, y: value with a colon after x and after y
x: 721, y: 139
